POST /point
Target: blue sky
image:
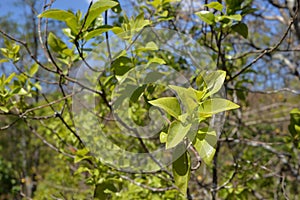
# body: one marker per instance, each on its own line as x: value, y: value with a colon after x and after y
x: 7, y: 6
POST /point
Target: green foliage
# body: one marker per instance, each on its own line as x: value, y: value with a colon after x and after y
x: 10, y: 52
x: 228, y: 21
x: 169, y: 105
x: 8, y: 180
x: 196, y: 107
x: 241, y: 29
x: 294, y: 126
x: 181, y: 171
x: 48, y: 153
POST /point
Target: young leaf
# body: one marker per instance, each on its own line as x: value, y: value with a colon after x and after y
x: 55, y: 43
x: 4, y: 109
x: 176, y: 133
x: 211, y: 83
x: 181, y: 171
x: 57, y: 14
x: 97, y: 32
x: 294, y: 126
x: 215, y: 5
x: 206, y: 16
x: 163, y: 137
x: 33, y: 69
x: 22, y: 91
x: 241, y: 29
x: 9, y: 78
x: 205, y: 144
x: 169, y: 104
x: 216, y: 105
x: 236, y: 17
x: 97, y: 9
x: 187, y: 96
x: 140, y: 22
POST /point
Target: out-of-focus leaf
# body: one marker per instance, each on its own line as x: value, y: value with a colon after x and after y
x: 181, y: 171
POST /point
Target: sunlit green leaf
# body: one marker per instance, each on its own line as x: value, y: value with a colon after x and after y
x: 97, y: 9
x: 205, y: 144
x: 211, y: 83
x: 236, y: 17
x: 294, y: 126
x: 9, y: 78
x: 4, y: 109
x: 169, y: 104
x: 57, y: 14
x: 163, y: 137
x: 33, y: 69
x: 215, y: 5
x: 206, y: 16
x: 157, y: 60
x: 176, y: 133
x: 215, y: 105
x: 3, y: 60
x: 55, y: 43
x: 188, y: 97
x: 97, y: 32
x: 22, y: 91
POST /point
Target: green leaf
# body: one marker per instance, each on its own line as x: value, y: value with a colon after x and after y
x: 9, y: 78
x: 57, y: 14
x: 236, y: 17
x: 137, y: 93
x: 187, y: 96
x: 117, y: 8
x: 294, y: 126
x: 215, y: 105
x: 67, y: 16
x: 241, y: 29
x: 233, y: 5
x: 33, y: 69
x: 176, y: 133
x: 150, y: 46
x: 140, y: 22
x: 97, y: 32
x: 103, y: 189
x: 181, y: 171
x: 163, y: 137
x: 205, y: 144
x: 117, y: 30
x: 153, y: 76
x: 169, y: 104
x: 228, y: 18
x: 122, y: 65
x: 206, y: 16
x: 4, y: 109
x: 215, y: 5
x: 97, y: 9
x: 55, y: 43
x: 157, y: 60
x: 22, y: 91
x: 211, y: 83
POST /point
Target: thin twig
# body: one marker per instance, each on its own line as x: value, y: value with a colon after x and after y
x: 267, y: 50
x: 46, y: 142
